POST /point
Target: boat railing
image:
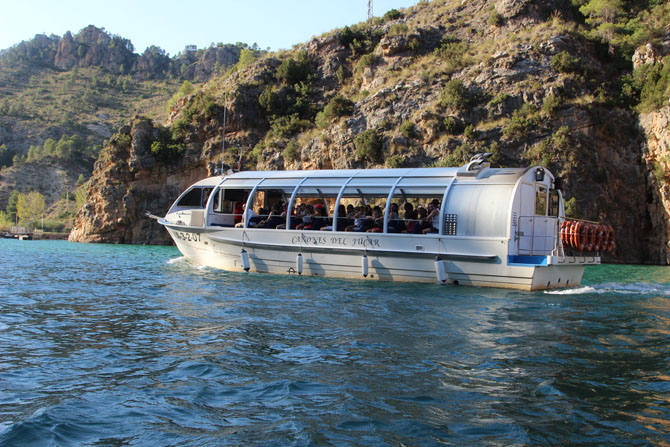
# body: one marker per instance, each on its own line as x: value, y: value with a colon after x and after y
x: 345, y: 223
x: 538, y: 235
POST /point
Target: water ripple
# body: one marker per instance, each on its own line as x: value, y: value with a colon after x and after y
x: 120, y: 345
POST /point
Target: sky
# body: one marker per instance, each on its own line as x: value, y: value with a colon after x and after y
x: 173, y: 24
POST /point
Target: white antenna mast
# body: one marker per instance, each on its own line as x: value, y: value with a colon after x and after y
x: 369, y: 9
x: 223, y: 135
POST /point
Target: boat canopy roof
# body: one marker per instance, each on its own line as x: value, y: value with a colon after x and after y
x: 408, y: 177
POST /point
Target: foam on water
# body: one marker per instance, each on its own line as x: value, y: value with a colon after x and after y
x: 176, y: 260
x: 637, y: 288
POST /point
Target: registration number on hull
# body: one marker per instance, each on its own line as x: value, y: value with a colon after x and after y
x: 185, y: 236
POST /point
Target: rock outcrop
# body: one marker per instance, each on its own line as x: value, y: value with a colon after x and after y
x: 95, y: 47
x: 127, y: 181
x: 656, y: 126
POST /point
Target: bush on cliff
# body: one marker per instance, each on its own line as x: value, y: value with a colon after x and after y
x: 653, y: 81
x: 455, y: 95
x: 295, y: 70
x: 165, y: 148
x: 360, y: 39
x: 369, y: 144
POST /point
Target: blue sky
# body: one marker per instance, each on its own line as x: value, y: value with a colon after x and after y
x: 172, y: 24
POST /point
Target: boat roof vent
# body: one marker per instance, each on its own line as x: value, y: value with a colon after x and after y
x: 476, y: 164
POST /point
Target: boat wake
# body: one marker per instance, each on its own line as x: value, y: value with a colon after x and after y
x: 176, y: 260
x: 637, y: 288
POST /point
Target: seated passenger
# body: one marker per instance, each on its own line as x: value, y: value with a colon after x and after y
x: 421, y: 222
x: 276, y: 217
x: 237, y: 211
x: 410, y: 221
x: 342, y: 220
x: 306, y: 223
x: 432, y: 220
x: 361, y: 221
x: 377, y: 223
x: 395, y: 224
x: 252, y: 217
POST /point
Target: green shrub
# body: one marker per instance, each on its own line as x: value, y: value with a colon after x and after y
x: 368, y: 60
x: 398, y: 29
x: 495, y: 18
x: 653, y: 81
x: 288, y: 100
x: 369, y: 146
x: 360, y: 39
x: 469, y: 132
x: 453, y: 52
x: 321, y: 121
x: 541, y: 153
x: 253, y: 156
x: 392, y: 14
x: 341, y: 74
x: 519, y: 123
x: 292, y: 151
x: 395, y: 161
x: 286, y: 126
x: 338, y: 106
x: 272, y: 102
x: 293, y: 71
x: 408, y: 130
x: 452, y: 125
x: 54, y: 226
x: 247, y: 57
x: 570, y: 206
x: 455, y: 95
x: 560, y: 138
x: 564, y: 62
x: 550, y: 104
x: 165, y: 148
x: 498, y: 99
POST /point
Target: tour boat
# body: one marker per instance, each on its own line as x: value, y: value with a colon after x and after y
x: 482, y: 226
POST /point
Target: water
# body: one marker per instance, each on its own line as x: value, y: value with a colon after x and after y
x: 120, y: 345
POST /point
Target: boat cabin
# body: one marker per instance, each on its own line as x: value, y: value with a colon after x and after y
x: 520, y: 205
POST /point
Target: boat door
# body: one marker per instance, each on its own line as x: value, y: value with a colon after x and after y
x: 537, y: 230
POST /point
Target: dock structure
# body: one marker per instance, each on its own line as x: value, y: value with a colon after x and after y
x: 18, y: 232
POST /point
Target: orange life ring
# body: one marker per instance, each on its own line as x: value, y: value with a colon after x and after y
x: 581, y: 236
x: 573, y: 234
x: 564, y: 232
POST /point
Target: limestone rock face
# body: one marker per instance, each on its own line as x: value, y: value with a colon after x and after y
x: 656, y: 126
x: 128, y: 181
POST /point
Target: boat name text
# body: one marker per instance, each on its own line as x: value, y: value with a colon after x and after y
x: 304, y: 239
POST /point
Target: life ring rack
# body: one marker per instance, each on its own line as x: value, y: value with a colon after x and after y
x: 587, y: 236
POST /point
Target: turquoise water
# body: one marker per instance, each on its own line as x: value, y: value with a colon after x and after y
x: 108, y: 345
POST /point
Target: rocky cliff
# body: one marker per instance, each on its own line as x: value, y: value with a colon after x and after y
x: 432, y: 85
x: 95, y: 47
x: 656, y: 156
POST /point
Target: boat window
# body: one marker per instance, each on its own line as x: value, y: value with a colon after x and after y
x: 205, y: 196
x: 554, y: 201
x: 227, y: 207
x: 193, y: 198
x: 541, y: 201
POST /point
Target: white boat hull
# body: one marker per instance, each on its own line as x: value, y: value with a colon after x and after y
x: 375, y: 256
